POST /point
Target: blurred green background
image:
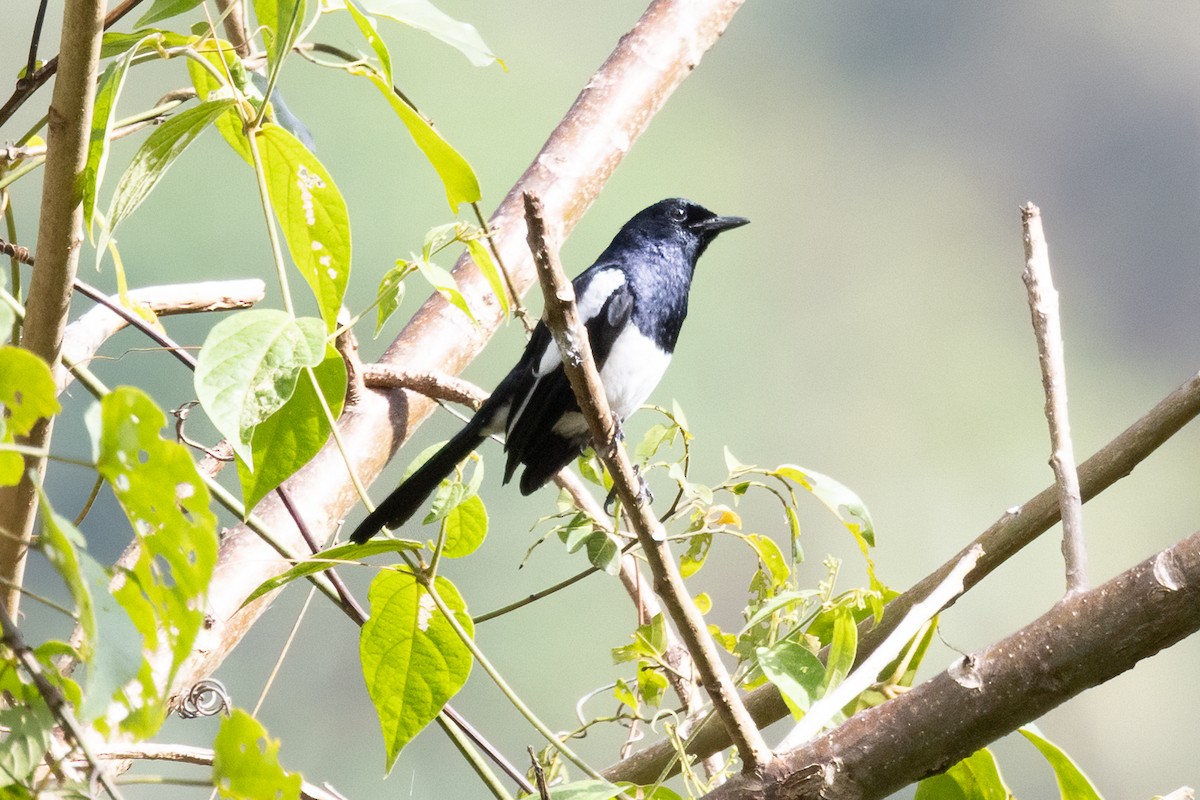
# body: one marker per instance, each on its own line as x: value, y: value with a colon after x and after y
x: 871, y: 323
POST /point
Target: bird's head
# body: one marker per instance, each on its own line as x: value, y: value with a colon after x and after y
x: 689, y: 224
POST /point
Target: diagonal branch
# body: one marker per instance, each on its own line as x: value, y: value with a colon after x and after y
x: 562, y: 319
x: 1083, y: 641
x: 616, y: 106
x: 1004, y: 539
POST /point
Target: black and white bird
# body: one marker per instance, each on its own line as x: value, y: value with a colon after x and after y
x: 632, y: 301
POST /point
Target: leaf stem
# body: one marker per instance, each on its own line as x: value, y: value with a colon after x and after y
x: 272, y: 234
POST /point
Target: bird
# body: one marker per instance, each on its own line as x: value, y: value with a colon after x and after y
x: 632, y: 301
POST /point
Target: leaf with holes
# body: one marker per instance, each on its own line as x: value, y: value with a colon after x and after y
x: 167, y: 504
x: 413, y: 661
x: 246, y: 762
x: 26, y: 395
x: 312, y: 214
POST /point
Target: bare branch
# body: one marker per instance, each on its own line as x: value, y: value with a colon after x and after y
x: 562, y: 318
x: 1047, y: 327
x: 1004, y: 539
x: 1083, y: 641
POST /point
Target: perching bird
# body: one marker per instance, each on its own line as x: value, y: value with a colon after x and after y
x: 632, y: 301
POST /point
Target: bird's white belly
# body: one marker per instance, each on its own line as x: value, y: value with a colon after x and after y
x: 633, y: 368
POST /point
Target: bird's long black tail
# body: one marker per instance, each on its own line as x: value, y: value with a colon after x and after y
x: 407, y: 498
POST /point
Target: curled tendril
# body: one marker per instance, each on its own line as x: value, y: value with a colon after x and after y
x: 206, y: 698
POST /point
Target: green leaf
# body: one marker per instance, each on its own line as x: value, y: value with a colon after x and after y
x: 249, y: 367
x: 366, y: 25
x: 391, y: 292
x: 483, y: 260
x: 604, y: 552
x: 625, y: 695
x: 167, y: 504
x: 771, y: 557
x: 465, y: 526
x: 837, y: 497
x: 445, y: 285
x: 655, y: 792
x: 28, y: 724
x: 107, y: 94
x: 26, y: 395
x: 845, y: 505
x: 976, y: 777
x: 281, y: 21
x: 1072, y: 783
x: 115, y: 43
x: 696, y: 554
x: 58, y: 542
x: 795, y: 671
x: 221, y: 55
x: 424, y: 16
x: 155, y: 157
x: 165, y: 9
x: 655, y: 437
x: 246, y: 762
x: 289, y: 438
x: 348, y: 553
x: 459, y: 180
x: 652, y: 684
x: 842, y: 649
x: 312, y: 214
x: 779, y: 601
x: 413, y: 661
x: 590, y: 789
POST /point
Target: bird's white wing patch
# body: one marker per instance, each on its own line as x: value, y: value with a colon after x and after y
x: 598, y: 290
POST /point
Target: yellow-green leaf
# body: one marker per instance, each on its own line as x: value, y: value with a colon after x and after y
x: 312, y: 214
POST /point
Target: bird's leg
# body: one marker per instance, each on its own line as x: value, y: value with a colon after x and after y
x: 643, y: 491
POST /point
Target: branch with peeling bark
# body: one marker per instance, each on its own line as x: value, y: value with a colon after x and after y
x: 1085, y: 640
x: 571, y: 337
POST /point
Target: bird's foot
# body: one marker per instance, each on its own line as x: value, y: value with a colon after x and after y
x: 644, y: 492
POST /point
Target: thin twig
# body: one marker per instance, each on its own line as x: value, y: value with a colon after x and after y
x: 187, y: 754
x: 447, y: 388
x: 562, y: 318
x: 29, y: 84
x: 1047, y: 327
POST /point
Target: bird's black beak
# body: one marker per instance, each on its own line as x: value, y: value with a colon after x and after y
x: 714, y: 225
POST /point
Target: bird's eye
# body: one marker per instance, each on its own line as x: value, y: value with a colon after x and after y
x: 679, y: 213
